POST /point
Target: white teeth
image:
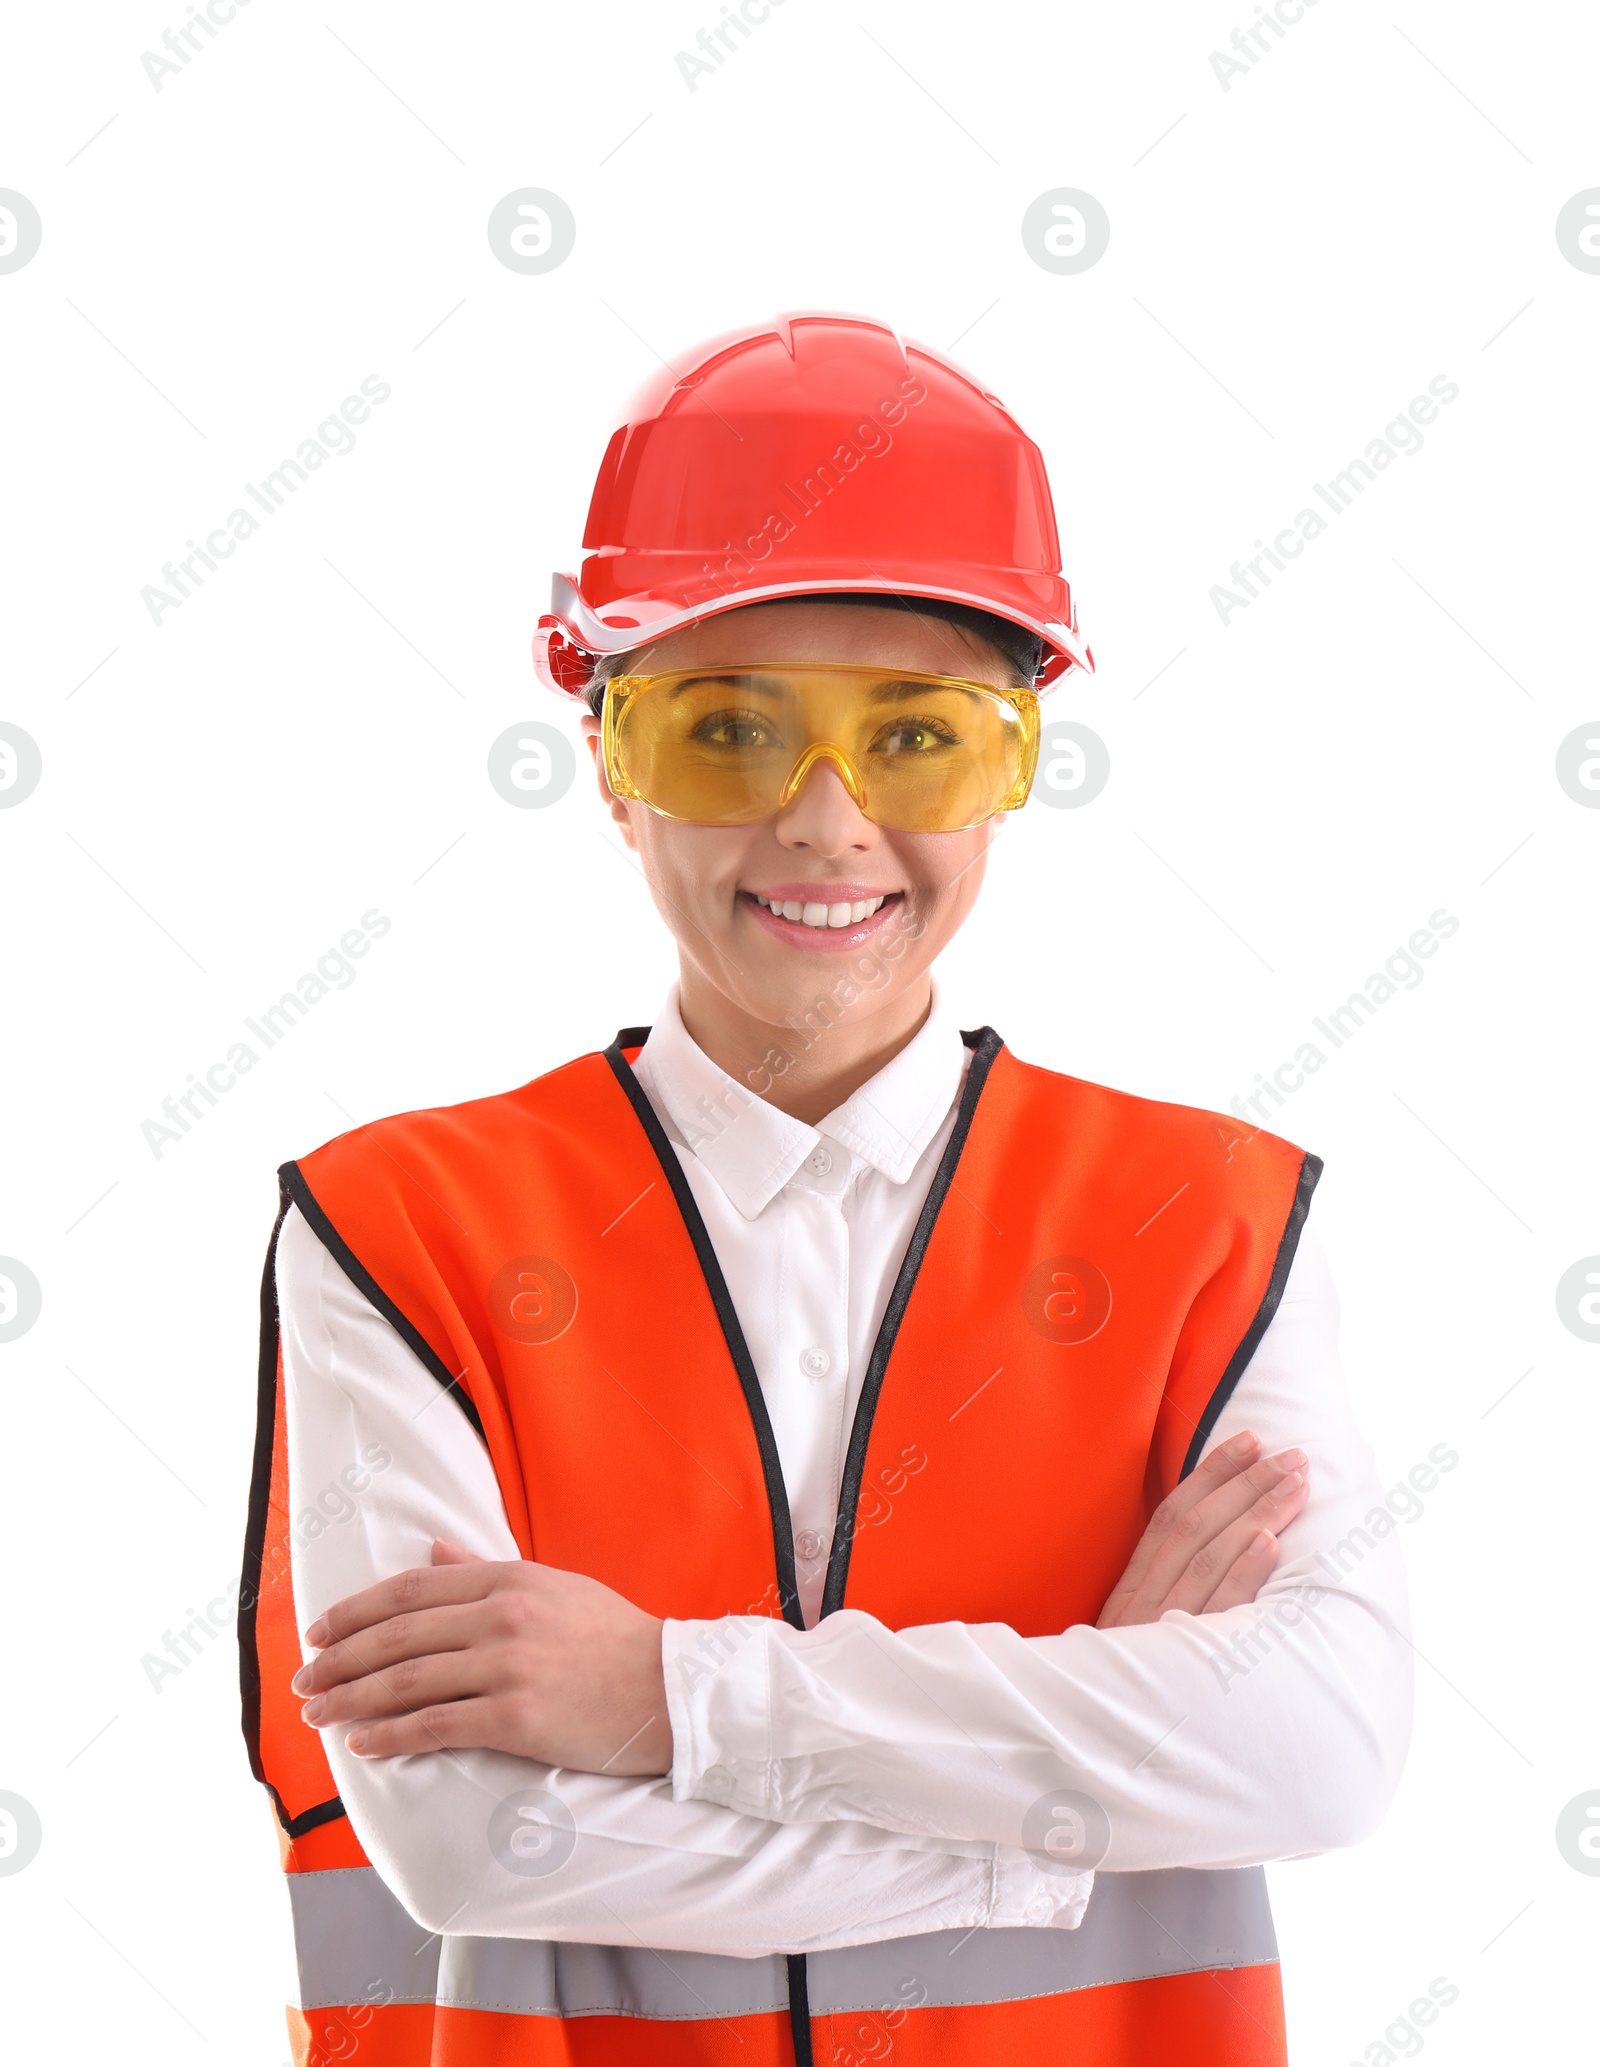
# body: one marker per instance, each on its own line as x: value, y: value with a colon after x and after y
x: 822, y: 915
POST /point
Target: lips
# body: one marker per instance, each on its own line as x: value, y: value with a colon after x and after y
x: 821, y: 915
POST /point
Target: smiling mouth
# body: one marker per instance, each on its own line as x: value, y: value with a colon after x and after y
x: 815, y: 913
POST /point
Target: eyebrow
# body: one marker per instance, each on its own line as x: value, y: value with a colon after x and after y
x: 912, y: 692
x: 729, y: 676
x: 890, y: 691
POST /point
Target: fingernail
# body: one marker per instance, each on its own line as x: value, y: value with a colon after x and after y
x: 317, y: 1635
x: 312, y: 1712
x: 356, y: 1741
x: 1238, y: 1444
x: 1290, y: 1483
x: 1290, y: 1460
x: 301, y: 1683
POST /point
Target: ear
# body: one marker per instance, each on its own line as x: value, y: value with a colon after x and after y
x: 621, y: 817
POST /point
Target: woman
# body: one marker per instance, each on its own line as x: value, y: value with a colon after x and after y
x: 841, y: 1551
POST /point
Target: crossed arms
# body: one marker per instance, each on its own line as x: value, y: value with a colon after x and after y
x: 848, y: 1783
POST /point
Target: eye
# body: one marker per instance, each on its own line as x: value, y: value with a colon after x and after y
x: 913, y: 735
x: 741, y: 731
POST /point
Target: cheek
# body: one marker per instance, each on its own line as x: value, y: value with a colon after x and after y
x: 946, y: 872
x: 691, y: 869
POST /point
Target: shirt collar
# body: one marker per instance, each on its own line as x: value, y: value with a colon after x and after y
x: 752, y: 1149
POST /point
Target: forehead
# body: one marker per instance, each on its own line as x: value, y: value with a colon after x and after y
x: 860, y: 635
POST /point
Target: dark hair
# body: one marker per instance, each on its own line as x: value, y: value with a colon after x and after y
x: 1021, y: 648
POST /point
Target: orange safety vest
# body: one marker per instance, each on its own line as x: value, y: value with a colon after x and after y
x: 1089, y: 1276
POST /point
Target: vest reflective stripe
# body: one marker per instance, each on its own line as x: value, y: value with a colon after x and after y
x: 354, y: 1943
x: 358, y: 1945
x: 1138, y: 1926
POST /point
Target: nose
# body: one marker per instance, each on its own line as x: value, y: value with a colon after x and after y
x: 822, y: 750
x: 822, y: 817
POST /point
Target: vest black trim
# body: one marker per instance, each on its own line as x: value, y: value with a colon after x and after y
x: 308, y: 1819
x: 717, y: 1285
x: 293, y: 1190
x: 255, y: 1527
x: 1310, y: 1171
x: 299, y: 1192
x: 985, y: 1045
x: 799, y: 2008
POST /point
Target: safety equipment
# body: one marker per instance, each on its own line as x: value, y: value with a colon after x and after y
x: 919, y: 753
x: 813, y: 454
x: 625, y: 1421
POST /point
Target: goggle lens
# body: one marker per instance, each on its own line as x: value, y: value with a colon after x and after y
x: 919, y: 753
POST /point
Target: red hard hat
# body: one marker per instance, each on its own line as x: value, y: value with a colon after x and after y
x: 813, y: 454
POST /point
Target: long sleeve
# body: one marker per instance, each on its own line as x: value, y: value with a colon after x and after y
x: 381, y: 1462
x: 1267, y: 1731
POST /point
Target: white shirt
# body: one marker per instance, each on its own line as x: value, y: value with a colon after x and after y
x: 784, y: 1826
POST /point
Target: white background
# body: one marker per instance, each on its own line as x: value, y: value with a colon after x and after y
x: 224, y: 795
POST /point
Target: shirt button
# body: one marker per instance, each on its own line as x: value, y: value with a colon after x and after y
x: 816, y: 1363
x: 820, y: 1161
x: 809, y: 1545
x: 717, y: 1780
x: 1041, y: 1910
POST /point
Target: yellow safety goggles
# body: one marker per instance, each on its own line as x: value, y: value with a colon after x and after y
x: 729, y: 746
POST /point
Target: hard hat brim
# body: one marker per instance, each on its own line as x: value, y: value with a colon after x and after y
x: 573, y: 638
